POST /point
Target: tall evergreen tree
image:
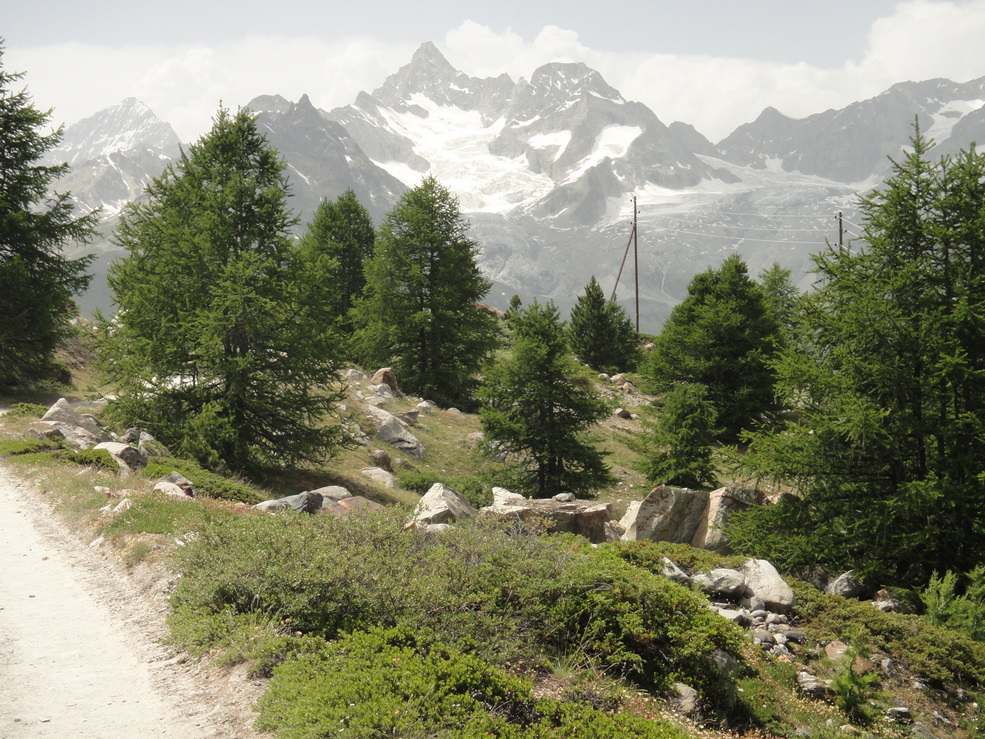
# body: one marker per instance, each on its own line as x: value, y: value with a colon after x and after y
x: 888, y: 372
x: 781, y: 296
x: 419, y: 312
x: 680, y: 444
x: 38, y: 281
x: 721, y: 336
x: 535, y: 408
x: 601, y: 333
x: 215, y: 348
x: 334, y: 250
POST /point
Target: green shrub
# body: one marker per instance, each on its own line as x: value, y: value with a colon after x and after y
x: 27, y: 410
x: 206, y: 483
x: 854, y: 690
x: 649, y: 555
x: 159, y: 514
x: 386, y: 683
x: 98, y: 458
x: 935, y: 653
x: 494, y: 590
x: 13, y: 447
x: 944, y: 606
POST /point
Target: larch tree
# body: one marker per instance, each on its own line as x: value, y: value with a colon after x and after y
x: 887, y: 370
x: 419, y: 312
x: 536, y: 409
x: 215, y: 347
x: 39, y: 282
x: 724, y: 337
x: 333, y: 253
x: 601, y: 333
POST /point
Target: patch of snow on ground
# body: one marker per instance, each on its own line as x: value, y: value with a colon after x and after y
x: 946, y: 117
x: 456, y: 143
x: 612, y: 142
x: 560, y: 139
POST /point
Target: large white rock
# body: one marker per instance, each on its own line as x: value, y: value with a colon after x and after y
x: 722, y: 503
x: 441, y: 504
x: 765, y: 583
x: 129, y: 458
x: 666, y: 514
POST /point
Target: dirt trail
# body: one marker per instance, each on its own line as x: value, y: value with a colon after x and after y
x: 79, y: 643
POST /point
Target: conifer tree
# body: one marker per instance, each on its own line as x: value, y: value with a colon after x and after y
x: 721, y: 336
x: 536, y: 408
x: 601, y: 333
x: 215, y: 348
x: 680, y: 443
x: 38, y: 282
x: 887, y: 448
x: 334, y: 250
x: 419, y: 311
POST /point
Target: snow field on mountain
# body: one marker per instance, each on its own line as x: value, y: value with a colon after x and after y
x: 456, y: 143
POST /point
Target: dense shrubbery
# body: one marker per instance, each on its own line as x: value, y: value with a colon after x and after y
x: 417, y: 689
x: 501, y: 595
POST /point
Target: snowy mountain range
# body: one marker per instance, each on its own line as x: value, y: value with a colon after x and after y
x: 546, y: 170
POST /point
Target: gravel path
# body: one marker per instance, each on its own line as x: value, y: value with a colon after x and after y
x: 79, y: 643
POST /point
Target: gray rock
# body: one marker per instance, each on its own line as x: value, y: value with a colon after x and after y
x: 666, y: 514
x: 922, y: 731
x: 306, y: 502
x: 151, y: 447
x: 685, y: 700
x: 670, y: 570
x: 846, y: 585
x: 722, y: 503
x: 381, y: 459
x: 129, y: 458
x: 393, y: 432
x: 354, y: 375
x: 814, y: 687
x: 380, y: 477
x: 564, y: 498
x: 502, y: 496
x: 353, y: 505
x: 764, y: 582
x: 332, y: 494
x: 723, y: 582
x: 889, y: 669
x: 385, y: 376
x: 441, y: 504
x: 181, y: 481
x: 171, y: 490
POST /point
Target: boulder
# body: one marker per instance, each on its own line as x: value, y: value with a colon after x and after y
x: 151, y: 447
x: 813, y: 686
x: 129, y: 458
x: 354, y: 504
x: 671, y: 571
x: 332, y: 494
x: 181, y: 481
x: 62, y: 422
x: 722, y: 503
x: 306, y: 502
x: 392, y: 431
x: 764, y: 582
x: 171, y: 490
x: 380, y: 477
x: 685, y: 700
x: 666, y: 514
x: 441, y: 504
x: 354, y: 375
x: 729, y: 584
x: 385, y: 376
x: 586, y: 518
x: 382, y: 391
x: 381, y: 459
x: 502, y: 496
x: 426, y: 407
x: 846, y: 585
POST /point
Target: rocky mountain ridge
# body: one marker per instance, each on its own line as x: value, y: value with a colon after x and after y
x: 546, y: 169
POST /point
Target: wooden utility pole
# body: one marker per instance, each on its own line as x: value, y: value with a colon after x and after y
x: 632, y: 242
x: 841, y: 230
x: 636, y: 262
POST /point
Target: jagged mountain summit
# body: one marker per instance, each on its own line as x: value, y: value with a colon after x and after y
x: 546, y: 169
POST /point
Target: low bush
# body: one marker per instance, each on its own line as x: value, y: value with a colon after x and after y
x: 496, y: 591
x: 42, y: 454
x: 206, y: 483
x: 27, y: 410
x: 13, y: 447
x: 386, y: 683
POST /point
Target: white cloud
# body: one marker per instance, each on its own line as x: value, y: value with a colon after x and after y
x: 184, y: 84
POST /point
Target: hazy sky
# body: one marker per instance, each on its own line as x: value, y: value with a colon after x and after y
x: 715, y: 63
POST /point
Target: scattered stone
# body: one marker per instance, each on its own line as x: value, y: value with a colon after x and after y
x: 128, y: 458
x: 619, y: 379
x: 426, y: 407
x: 846, y: 585
x: 124, y: 505
x: 564, y: 498
x: 814, y: 687
x: 503, y: 497
x: 586, y: 518
x: 332, y: 494
x: 835, y: 651
x: 170, y: 489
x: 441, y: 504
x: 385, y: 376
x: 181, y: 481
x: 685, y: 700
x: 886, y: 602
x: 306, y: 502
x: 729, y: 584
x: 355, y: 504
x: 381, y: 391
x: 671, y: 571
x: 764, y: 582
x: 762, y: 636
x: 795, y: 635
x: 922, y: 731
x: 354, y: 375
x: 380, y: 477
